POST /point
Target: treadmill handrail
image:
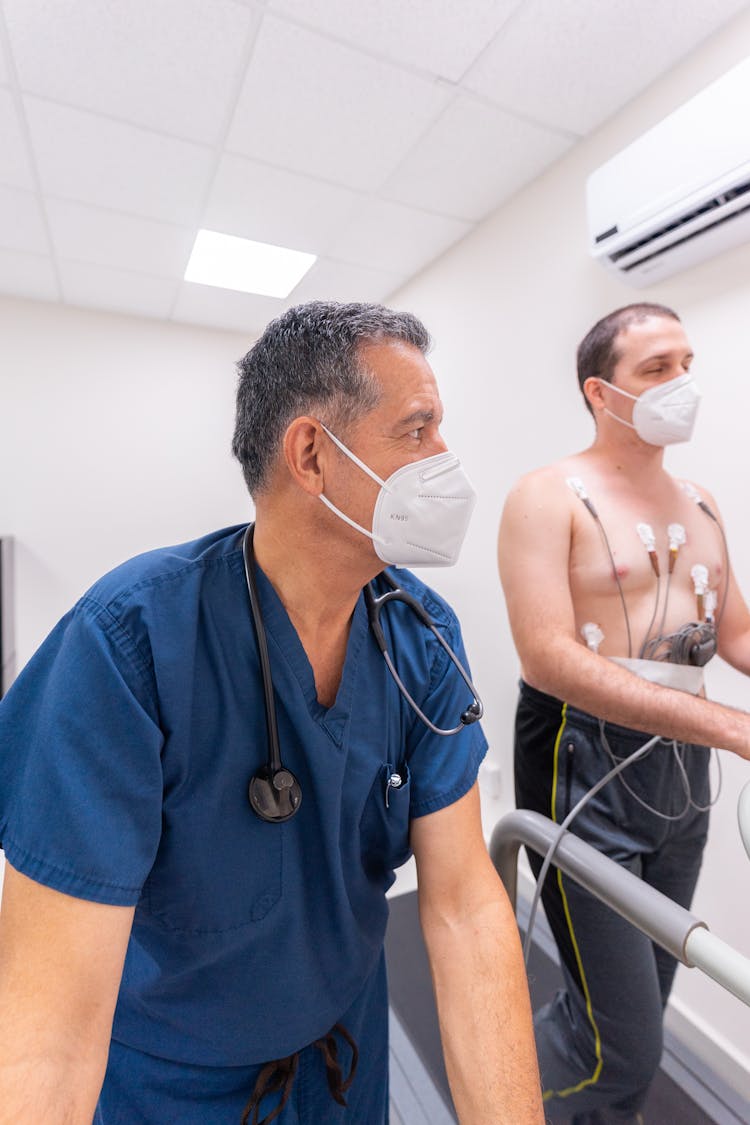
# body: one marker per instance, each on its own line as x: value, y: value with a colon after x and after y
x: 664, y: 921
x: 667, y: 923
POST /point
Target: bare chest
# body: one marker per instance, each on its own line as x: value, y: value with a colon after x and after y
x: 640, y: 541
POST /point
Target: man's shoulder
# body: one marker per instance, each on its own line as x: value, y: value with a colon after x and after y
x: 559, y: 477
x: 165, y: 566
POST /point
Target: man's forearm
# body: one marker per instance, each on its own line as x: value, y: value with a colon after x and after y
x: 594, y: 684
x: 485, y: 1017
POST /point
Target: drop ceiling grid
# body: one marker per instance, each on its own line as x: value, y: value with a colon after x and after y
x: 93, y: 286
x: 21, y: 222
x: 270, y: 204
x: 473, y: 155
x: 574, y: 70
x: 318, y: 107
x: 15, y: 167
x: 372, y: 134
x: 163, y: 65
x: 440, y: 37
x: 119, y: 241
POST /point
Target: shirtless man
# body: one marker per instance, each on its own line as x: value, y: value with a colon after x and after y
x: 603, y: 556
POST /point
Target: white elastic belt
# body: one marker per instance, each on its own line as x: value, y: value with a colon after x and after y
x: 681, y: 677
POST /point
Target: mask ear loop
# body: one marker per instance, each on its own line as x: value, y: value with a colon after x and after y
x: 626, y: 394
x: 365, y: 469
x: 353, y: 457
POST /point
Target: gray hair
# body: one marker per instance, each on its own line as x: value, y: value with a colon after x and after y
x: 307, y: 362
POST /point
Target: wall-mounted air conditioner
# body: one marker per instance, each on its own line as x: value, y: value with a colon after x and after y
x: 681, y: 192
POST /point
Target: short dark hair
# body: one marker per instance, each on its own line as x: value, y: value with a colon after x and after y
x: 307, y: 362
x: 597, y: 352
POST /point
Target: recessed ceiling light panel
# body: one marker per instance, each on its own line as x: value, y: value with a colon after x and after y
x: 249, y: 267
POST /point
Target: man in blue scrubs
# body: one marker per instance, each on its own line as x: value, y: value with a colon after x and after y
x: 167, y: 955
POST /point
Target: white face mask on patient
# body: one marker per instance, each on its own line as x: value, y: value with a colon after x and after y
x: 664, y: 414
x: 422, y: 511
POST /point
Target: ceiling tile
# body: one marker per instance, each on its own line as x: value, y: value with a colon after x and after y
x: 225, y: 308
x: 21, y: 222
x: 472, y: 159
x: 338, y: 281
x: 15, y: 168
x: 439, y: 36
x: 324, y: 109
x: 96, y: 160
x: 561, y: 71
x: 100, y: 288
x: 284, y: 208
x: 392, y: 237
x: 28, y: 275
x: 171, y: 65
x: 89, y: 234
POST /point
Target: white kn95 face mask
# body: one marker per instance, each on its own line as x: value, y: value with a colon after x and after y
x: 422, y: 511
x: 664, y: 414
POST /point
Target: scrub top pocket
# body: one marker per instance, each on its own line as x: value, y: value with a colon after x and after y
x: 227, y: 876
x: 384, y: 827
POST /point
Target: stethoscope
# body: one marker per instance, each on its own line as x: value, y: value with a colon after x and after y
x: 275, y: 793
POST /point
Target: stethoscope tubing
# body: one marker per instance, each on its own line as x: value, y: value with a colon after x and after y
x: 375, y: 603
x: 274, y: 792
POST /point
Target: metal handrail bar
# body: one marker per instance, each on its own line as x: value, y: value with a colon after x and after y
x: 672, y: 927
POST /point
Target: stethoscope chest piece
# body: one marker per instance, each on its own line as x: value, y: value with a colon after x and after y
x: 275, y: 795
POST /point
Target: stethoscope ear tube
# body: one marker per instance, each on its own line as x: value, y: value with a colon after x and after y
x: 375, y: 603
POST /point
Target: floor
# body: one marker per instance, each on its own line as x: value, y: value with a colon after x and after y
x: 413, y: 1006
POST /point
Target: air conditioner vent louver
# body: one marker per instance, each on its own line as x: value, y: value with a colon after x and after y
x: 717, y: 202
x: 677, y: 242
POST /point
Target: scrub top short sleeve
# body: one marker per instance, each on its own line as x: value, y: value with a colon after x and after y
x: 79, y: 733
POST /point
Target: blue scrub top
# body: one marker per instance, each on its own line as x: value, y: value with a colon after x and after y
x: 128, y: 743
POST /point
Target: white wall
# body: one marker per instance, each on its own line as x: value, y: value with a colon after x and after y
x: 114, y: 438
x: 508, y: 307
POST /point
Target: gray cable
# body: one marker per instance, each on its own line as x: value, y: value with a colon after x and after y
x: 689, y: 802
x: 639, y: 753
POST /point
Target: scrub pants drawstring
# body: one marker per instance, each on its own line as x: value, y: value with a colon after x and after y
x: 280, y: 1075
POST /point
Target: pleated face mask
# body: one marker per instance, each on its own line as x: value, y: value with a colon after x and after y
x: 422, y: 512
x: 665, y: 414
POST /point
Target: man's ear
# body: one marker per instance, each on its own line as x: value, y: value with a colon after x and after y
x: 306, y: 448
x: 592, y: 389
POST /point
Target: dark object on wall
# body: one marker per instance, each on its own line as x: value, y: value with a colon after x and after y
x: 7, y: 631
